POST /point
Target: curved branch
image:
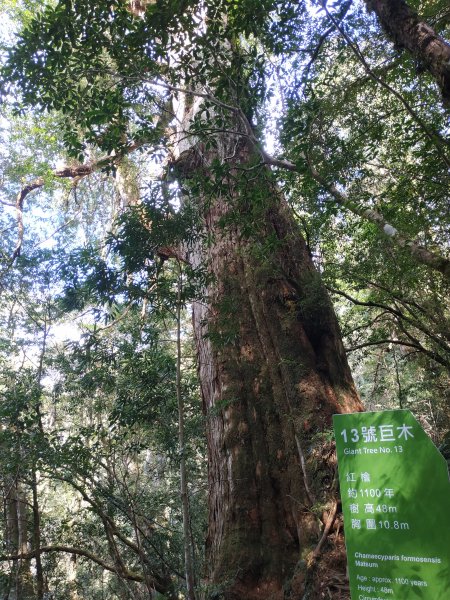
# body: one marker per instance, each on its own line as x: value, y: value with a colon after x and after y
x: 401, y: 319
x: 80, y: 552
x: 330, y: 520
x: 78, y: 172
x: 381, y: 342
x: 109, y: 524
x: 369, y: 303
x: 343, y: 12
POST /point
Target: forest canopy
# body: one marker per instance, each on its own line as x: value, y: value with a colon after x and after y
x: 281, y: 171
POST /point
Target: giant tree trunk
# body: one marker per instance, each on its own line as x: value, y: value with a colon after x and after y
x: 273, y: 371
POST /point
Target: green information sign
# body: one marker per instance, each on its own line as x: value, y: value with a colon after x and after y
x: 395, y: 493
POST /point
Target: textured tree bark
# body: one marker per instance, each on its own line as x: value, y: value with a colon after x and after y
x: 273, y: 371
x: 408, y: 31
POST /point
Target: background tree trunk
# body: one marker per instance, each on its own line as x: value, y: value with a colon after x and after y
x: 20, y: 586
x: 184, y: 490
x: 40, y: 584
x: 409, y: 31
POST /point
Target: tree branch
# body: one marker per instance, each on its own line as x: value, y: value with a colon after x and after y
x: 343, y: 12
x: 80, y: 552
x: 415, y: 248
x: 77, y: 172
x: 380, y: 342
x: 190, y: 92
x: 401, y: 319
x: 330, y: 520
x: 109, y: 523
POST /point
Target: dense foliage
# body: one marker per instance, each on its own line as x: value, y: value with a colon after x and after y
x: 92, y: 277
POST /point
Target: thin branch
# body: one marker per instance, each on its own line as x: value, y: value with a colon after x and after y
x: 343, y: 12
x: 414, y: 247
x: 368, y: 303
x: 406, y: 303
x: 150, y: 522
x: 380, y: 342
x: 58, y: 229
x: 401, y: 318
x: 77, y: 172
x: 106, y: 519
x: 331, y: 518
x: 80, y: 552
x: 190, y: 92
x: 436, y: 357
